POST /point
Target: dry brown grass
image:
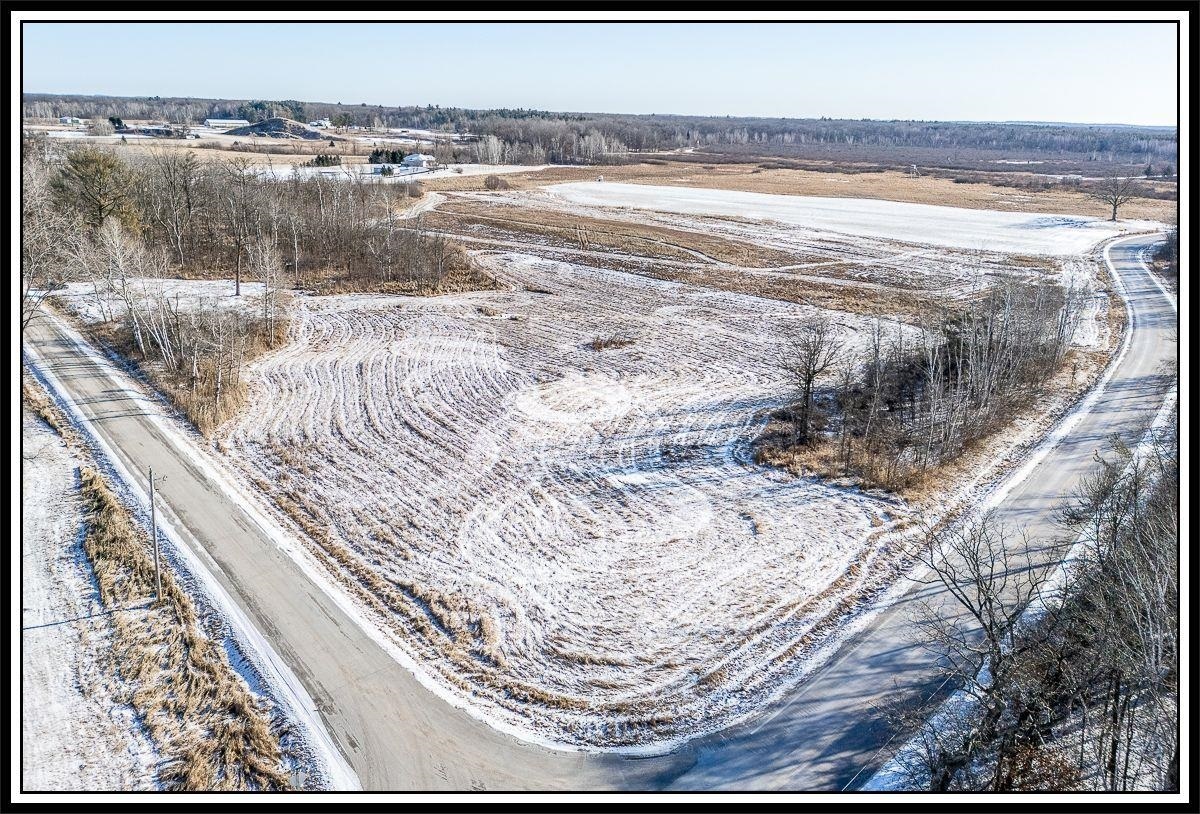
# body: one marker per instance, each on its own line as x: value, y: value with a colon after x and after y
x: 462, y: 275
x: 901, y: 303
x: 819, y: 458
x: 890, y: 186
x: 606, y: 235
x: 211, y: 732
x: 451, y: 623
x: 612, y: 341
x: 39, y: 403
x: 698, y: 256
x: 197, y: 400
x: 209, y: 729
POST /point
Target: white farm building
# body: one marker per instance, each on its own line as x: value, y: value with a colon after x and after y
x: 225, y: 124
x: 419, y: 160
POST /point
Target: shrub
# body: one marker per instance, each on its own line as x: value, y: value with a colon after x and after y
x: 495, y: 182
x: 616, y: 340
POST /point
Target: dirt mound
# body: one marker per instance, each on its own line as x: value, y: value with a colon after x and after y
x: 279, y: 128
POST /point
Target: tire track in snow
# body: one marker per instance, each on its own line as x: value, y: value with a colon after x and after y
x: 594, y: 555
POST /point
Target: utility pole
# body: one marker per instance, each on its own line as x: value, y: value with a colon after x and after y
x: 154, y: 534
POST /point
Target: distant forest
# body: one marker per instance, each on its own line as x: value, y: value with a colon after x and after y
x: 537, y: 136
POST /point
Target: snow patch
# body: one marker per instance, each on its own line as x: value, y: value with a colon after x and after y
x: 1012, y: 232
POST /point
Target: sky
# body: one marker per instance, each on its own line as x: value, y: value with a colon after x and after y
x: 1070, y: 72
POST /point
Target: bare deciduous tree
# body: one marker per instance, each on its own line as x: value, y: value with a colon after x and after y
x: 1114, y: 190
x: 266, y: 263
x: 49, y: 240
x: 985, y: 575
x: 173, y: 199
x: 811, y: 351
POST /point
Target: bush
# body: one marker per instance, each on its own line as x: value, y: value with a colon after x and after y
x: 1165, y: 257
x: 616, y: 340
x: 495, y: 182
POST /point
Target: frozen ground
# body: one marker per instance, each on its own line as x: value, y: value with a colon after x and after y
x: 574, y: 540
x: 1010, y: 232
x: 74, y: 736
x: 364, y: 172
x: 823, y: 257
x: 83, y: 134
x: 100, y: 303
x: 1080, y: 276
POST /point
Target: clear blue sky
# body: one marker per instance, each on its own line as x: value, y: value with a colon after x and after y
x: 1034, y: 72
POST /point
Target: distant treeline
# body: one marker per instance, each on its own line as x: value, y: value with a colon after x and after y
x: 538, y: 136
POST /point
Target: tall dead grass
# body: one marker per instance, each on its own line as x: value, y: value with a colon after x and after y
x: 217, y: 392
x: 211, y: 732
x: 209, y: 729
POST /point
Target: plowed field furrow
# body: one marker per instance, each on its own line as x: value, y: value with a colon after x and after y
x: 576, y: 540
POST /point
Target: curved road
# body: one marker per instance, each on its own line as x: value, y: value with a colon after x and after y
x: 397, y: 735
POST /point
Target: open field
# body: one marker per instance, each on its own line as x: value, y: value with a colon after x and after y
x: 888, y: 186
x: 493, y: 472
x: 854, y: 270
x: 1012, y: 233
x: 387, y: 433
x: 475, y: 468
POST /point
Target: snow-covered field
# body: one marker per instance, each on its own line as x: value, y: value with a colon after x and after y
x: 825, y: 257
x: 85, y: 135
x: 93, y: 303
x: 575, y: 541
x: 364, y: 172
x: 1010, y: 232
x: 74, y: 735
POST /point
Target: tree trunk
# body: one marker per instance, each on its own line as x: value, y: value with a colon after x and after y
x: 1173, y: 769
